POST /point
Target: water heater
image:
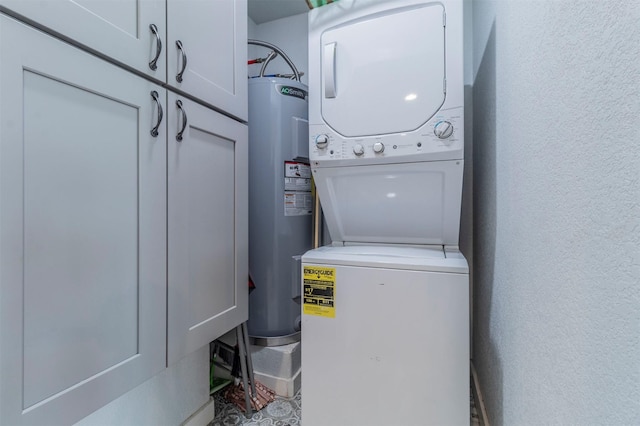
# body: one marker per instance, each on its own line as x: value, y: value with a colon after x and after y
x: 280, y: 203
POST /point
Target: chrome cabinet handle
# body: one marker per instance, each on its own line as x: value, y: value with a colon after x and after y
x: 155, y: 96
x: 184, y: 61
x: 184, y: 120
x: 154, y: 62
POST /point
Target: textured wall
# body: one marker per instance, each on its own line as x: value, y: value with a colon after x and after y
x: 556, y: 99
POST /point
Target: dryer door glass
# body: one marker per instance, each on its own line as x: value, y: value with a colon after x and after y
x: 384, y: 73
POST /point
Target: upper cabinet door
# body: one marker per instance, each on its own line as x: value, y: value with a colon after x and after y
x: 207, y: 225
x: 83, y: 226
x: 207, y: 52
x: 120, y: 30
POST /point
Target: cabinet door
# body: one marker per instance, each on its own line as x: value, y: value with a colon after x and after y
x: 213, y: 36
x: 82, y: 230
x: 208, y: 226
x: 118, y: 29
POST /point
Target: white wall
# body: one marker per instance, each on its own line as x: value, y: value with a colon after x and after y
x: 556, y: 100
x: 168, y: 398
x: 251, y: 28
x: 290, y: 35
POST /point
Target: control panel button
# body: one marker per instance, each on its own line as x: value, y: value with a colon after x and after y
x: 378, y: 147
x: 322, y: 141
x: 358, y: 149
x: 443, y: 129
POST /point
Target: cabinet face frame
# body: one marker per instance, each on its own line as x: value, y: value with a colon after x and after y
x: 29, y: 51
x: 215, y: 147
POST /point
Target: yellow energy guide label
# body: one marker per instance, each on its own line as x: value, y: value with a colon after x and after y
x: 319, y: 285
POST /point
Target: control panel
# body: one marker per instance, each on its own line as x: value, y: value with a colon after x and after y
x: 442, y: 134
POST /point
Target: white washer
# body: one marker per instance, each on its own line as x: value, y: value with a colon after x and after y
x: 396, y: 350
x: 385, y: 325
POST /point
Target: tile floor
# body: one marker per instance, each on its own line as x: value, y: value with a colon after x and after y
x: 281, y: 412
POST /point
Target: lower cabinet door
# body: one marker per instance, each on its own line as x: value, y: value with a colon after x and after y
x: 82, y: 230
x: 207, y: 225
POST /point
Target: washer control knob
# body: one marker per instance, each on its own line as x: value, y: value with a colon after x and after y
x: 322, y: 141
x: 378, y: 147
x: 443, y: 129
x: 358, y: 149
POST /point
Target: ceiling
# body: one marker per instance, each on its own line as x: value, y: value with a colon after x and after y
x: 261, y: 11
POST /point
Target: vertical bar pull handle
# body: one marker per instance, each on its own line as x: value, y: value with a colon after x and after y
x: 329, y: 70
x: 184, y: 61
x: 184, y: 120
x: 156, y: 98
x: 154, y: 62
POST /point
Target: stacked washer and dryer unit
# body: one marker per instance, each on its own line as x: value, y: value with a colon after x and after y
x: 385, y: 319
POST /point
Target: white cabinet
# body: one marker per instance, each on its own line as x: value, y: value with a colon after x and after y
x: 102, y: 218
x: 212, y: 61
x: 120, y: 30
x: 207, y: 225
x: 82, y: 230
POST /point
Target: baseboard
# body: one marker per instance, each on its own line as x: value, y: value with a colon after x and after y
x: 477, y: 398
x: 203, y: 416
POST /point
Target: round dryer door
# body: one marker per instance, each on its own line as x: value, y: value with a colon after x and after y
x: 384, y: 73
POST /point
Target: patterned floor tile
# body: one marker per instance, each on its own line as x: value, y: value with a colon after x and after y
x: 281, y: 412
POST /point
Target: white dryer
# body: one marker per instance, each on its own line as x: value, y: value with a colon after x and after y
x: 386, y: 119
x: 385, y: 325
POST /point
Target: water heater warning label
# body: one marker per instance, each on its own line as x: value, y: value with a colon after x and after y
x: 297, y: 176
x: 319, y: 283
x: 297, y: 189
x: 297, y: 203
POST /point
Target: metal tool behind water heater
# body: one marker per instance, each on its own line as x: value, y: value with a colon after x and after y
x: 280, y: 203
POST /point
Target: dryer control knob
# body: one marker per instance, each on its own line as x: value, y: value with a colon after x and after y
x: 378, y: 147
x: 322, y: 141
x: 443, y: 129
x: 358, y: 149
